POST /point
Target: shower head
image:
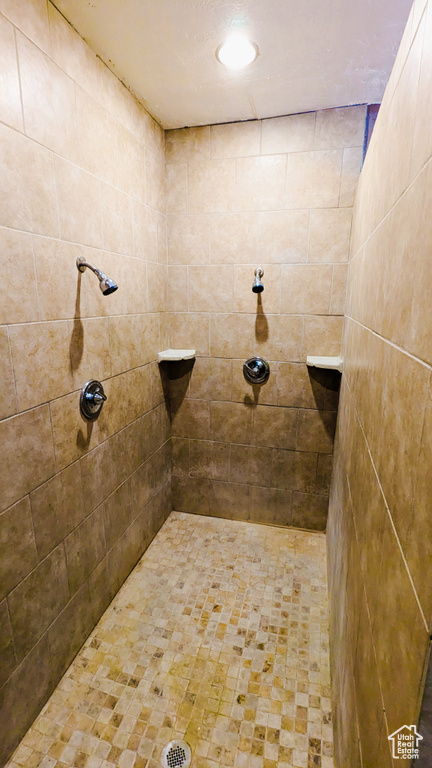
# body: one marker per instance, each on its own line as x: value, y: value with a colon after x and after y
x: 106, y: 285
x: 257, y: 286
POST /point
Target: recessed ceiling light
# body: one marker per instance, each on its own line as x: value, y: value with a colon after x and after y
x: 237, y: 51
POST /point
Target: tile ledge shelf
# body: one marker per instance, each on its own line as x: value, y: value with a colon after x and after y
x: 331, y: 363
x: 176, y: 354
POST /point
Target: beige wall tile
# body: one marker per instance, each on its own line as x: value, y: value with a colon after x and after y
x: 155, y: 182
x: 309, y: 511
x: 8, y: 403
x: 250, y: 465
x: 191, y: 494
x: 146, y: 224
x: 342, y: 127
x: 84, y: 548
x: 209, y: 459
x: 293, y: 133
x: 391, y: 410
x: 352, y: 162
x: 316, y: 430
x: 17, y: 545
x: 211, y: 379
x: 177, y: 188
x: 16, y: 258
x: 220, y: 501
x: 276, y: 337
x: 180, y: 456
x: 27, y: 458
x: 10, y: 96
x: 275, y: 427
x: 97, y: 136
x: 48, y: 101
x: 259, y: 183
x: 231, y: 422
x: 338, y: 291
x: 89, y: 348
x: 244, y: 300
x: 329, y: 235
x: 70, y: 628
x: 31, y: 682
x: 188, y: 145
x: 235, y: 139
x: 6, y: 644
x: 283, y: 236
x: 116, y: 220
x: 189, y: 331
x: 211, y: 186
x: 322, y: 336
x: 71, y: 53
x: 157, y: 287
x: 271, y: 505
x: 152, y: 134
x: 133, y: 340
x: 416, y: 545
x: 131, y: 171
x: 306, y: 288
x: 313, y: 179
x: 31, y: 17
x: 79, y: 204
x: 119, y: 101
x: 177, y: 288
x: 413, y: 639
x: 27, y: 185
x: 45, y: 348
x: 57, y: 507
x: 210, y: 288
x: 188, y: 240
x: 192, y: 419
x: 162, y: 238
x: 233, y: 238
x: 37, y: 600
x: 130, y: 274
x: 300, y: 386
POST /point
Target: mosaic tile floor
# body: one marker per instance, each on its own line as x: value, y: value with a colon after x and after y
x: 219, y: 636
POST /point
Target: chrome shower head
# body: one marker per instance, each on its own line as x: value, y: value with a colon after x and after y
x: 257, y: 286
x: 106, y: 285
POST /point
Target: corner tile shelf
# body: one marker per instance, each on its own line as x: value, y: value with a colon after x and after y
x: 176, y: 354
x: 331, y: 363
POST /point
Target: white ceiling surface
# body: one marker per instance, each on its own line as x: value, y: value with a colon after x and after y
x: 314, y: 54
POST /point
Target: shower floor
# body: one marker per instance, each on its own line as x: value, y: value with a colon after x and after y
x: 220, y: 637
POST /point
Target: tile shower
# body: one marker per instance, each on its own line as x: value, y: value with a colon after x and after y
x: 180, y: 220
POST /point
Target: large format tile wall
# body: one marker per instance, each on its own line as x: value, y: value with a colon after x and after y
x: 278, y: 194
x: 379, y: 531
x: 81, y: 173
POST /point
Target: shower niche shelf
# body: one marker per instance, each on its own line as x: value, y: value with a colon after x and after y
x: 331, y: 363
x: 176, y: 354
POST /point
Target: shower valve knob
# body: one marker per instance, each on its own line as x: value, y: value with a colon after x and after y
x: 256, y: 370
x: 92, y: 398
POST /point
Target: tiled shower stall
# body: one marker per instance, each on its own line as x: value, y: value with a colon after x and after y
x: 180, y: 219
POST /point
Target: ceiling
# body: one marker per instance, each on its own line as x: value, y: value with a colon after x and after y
x: 314, y: 54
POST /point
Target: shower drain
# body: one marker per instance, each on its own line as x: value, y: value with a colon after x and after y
x: 176, y: 754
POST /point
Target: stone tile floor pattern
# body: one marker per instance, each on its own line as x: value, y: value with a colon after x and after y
x: 219, y: 636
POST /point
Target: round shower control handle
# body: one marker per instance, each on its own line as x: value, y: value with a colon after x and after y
x: 256, y: 370
x: 92, y: 398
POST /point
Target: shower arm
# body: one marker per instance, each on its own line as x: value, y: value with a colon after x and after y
x: 82, y: 264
